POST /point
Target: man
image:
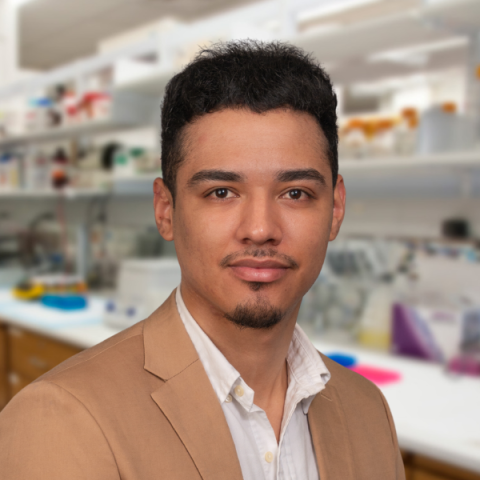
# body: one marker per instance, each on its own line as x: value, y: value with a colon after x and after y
x: 219, y: 382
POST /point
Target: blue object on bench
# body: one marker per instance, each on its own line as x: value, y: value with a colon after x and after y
x: 64, y: 302
x: 343, y: 359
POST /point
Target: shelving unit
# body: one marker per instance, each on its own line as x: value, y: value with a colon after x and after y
x: 350, y: 52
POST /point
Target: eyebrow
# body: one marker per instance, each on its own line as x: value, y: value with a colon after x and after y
x: 215, y: 175
x: 301, y: 174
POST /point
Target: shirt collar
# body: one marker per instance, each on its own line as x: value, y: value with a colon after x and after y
x: 307, y: 372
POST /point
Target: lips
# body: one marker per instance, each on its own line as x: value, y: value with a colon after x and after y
x: 265, y: 271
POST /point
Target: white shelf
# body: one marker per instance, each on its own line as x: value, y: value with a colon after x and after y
x: 69, y: 193
x: 128, y: 110
x: 446, y: 175
x: 63, y: 133
x: 450, y: 160
x: 141, y: 185
x: 455, y: 14
x: 358, y: 41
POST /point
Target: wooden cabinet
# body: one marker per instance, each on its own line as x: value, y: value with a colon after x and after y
x: 423, y: 475
x: 427, y: 469
x: 32, y: 355
x: 418, y: 467
x: 25, y: 356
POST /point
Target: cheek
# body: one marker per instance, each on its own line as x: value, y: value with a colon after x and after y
x: 308, y: 237
x: 201, y: 238
x: 309, y: 230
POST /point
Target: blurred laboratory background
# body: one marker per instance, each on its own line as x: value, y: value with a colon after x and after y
x: 398, y: 300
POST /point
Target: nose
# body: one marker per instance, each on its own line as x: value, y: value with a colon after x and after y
x: 260, y: 222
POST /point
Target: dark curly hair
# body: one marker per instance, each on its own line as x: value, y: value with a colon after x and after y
x: 254, y: 75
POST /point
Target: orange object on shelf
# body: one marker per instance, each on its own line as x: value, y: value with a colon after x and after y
x: 355, y: 123
x: 370, y: 128
x: 409, y: 112
x: 384, y: 124
x: 449, y: 107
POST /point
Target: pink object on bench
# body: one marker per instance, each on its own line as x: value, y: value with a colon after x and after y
x: 379, y: 376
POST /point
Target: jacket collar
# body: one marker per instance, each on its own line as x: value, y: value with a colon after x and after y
x: 168, y: 348
x: 330, y: 436
x: 186, y: 396
x: 188, y: 400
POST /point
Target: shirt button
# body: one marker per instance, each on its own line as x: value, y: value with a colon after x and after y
x: 269, y: 457
x: 228, y: 399
x: 239, y: 390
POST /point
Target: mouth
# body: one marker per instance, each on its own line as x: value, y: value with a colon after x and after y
x: 264, y: 271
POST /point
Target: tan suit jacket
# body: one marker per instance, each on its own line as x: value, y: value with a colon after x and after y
x: 140, y: 406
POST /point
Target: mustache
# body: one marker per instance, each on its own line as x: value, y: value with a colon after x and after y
x: 259, y: 253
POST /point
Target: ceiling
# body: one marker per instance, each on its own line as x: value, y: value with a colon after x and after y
x: 53, y: 32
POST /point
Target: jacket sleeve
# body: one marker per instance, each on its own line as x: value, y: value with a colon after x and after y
x: 47, y: 434
x: 400, y: 469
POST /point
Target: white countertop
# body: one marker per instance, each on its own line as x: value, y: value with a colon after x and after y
x: 81, y: 329
x: 436, y: 415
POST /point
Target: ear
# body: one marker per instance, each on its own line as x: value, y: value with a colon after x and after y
x: 339, y: 196
x: 163, y: 208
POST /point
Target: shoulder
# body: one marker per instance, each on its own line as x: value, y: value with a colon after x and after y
x: 113, y: 371
x: 126, y: 345
x: 362, y: 401
x: 358, y: 396
x: 95, y: 384
x: 47, y: 433
x: 348, y: 382
x: 92, y: 373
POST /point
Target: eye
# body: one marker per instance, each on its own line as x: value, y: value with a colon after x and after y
x: 220, y: 193
x: 295, y: 194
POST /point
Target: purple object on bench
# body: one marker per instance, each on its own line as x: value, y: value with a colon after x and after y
x: 411, y: 337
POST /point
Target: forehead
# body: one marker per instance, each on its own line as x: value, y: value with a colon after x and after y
x: 245, y: 140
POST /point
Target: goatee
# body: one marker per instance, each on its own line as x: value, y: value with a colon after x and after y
x: 259, y: 314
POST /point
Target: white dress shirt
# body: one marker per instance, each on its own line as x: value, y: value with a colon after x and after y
x: 260, y: 456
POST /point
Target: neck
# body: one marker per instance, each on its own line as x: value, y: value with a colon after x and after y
x: 259, y: 355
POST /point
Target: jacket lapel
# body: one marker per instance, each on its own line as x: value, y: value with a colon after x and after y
x: 186, y: 396
x: 330, y: 436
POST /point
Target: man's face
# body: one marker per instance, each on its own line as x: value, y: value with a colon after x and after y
x: 254, y: 211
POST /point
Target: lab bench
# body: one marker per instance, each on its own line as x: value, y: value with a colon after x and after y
x: 437, y: 416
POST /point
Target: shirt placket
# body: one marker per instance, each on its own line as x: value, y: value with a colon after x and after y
x: 266, y: 441
x: 263, y: 433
